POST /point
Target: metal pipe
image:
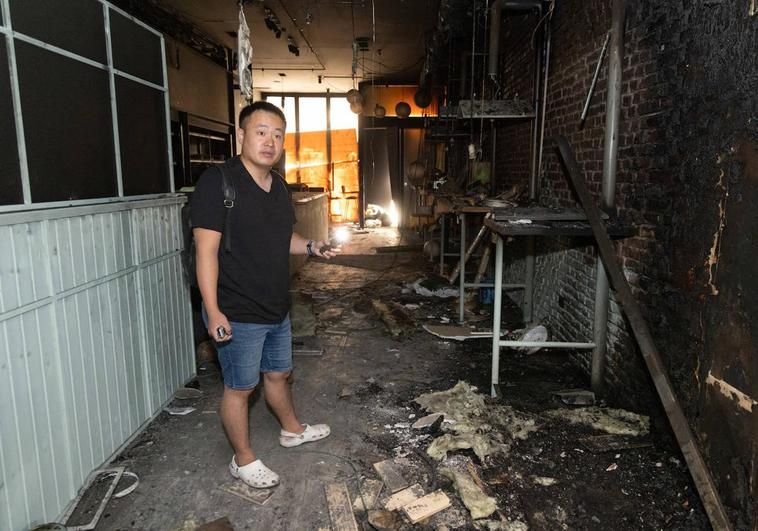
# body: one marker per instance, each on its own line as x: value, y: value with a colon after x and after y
x: 546, y: 344
x: 548, y: 41
x: 610, y: 163
x: 506, y: 287
x: 493, y: 164
x: 687, y: 442
x: 533, y: 181
x: 442, y: 244
x: 528, y: 306
x: 594, y: 79
x: 495, y: 16
x: 496, y: 307
x: 461, y: 291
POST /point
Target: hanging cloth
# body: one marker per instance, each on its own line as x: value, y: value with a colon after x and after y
x: 245, y: 58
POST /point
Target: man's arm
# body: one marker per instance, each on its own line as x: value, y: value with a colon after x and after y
x: 299, y: 245
x: 206, y: 256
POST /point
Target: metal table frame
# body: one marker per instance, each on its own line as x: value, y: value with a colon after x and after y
x: 550, y: 229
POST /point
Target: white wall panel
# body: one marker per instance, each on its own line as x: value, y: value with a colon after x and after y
x: 95, y: 336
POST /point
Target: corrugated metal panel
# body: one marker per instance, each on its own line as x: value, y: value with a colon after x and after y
x: 95, y: 335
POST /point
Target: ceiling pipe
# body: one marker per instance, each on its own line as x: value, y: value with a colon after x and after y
x: 494, y: 64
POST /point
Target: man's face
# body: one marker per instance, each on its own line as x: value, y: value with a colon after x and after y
x: 262, y: 139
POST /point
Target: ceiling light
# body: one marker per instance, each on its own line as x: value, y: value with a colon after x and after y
x: 292, y: 47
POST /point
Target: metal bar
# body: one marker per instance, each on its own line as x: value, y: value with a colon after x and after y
x: 461, y: 293
x: 548, y: 41
x: 116, y: 473
x: 167, y: 105
x: 608, y: 191
x: 493, y: 63
x: 54, y: 206
x: 442, y: 244
x: 529, y: 280
x: 699, y: 470
x: 496, y: 315
x: 114, y: 105
x: 492, y: 285
x: 533, y: 174
x: 60, y: 51
x: 130, y: 17
x: 23, y: 162
x: 546, y: 344
x: 594, y: 79
x: 141, y: 81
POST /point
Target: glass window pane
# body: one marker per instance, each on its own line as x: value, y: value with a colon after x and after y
x: 69, y: 138
x: 74, y: 25
x: 340, y: 115
x: 312, y: 114
x: 344, y: 131
x: 10, y: 176
x: 311, y: 161
x: 142, y: 138
x: 136, y: 50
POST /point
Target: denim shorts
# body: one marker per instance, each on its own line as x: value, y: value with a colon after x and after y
x: 254, y: 348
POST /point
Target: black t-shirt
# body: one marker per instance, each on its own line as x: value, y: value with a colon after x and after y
x: 253, y: 280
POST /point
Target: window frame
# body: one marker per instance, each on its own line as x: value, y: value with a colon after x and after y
x: 11, y: 37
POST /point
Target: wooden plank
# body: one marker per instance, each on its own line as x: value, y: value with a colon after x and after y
x: 340, y: 510
x: 684, y: 436
x: 426, y: 506
x: 404, y: 497
x: 391, y: 476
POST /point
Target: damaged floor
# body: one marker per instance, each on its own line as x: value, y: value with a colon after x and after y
x: 518, y: 463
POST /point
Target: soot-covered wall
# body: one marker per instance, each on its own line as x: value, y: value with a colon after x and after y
x: 688, y: 180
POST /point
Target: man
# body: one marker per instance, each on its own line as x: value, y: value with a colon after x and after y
x: 246, y: 290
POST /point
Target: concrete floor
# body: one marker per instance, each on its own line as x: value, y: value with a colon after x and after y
x: 182, y: 460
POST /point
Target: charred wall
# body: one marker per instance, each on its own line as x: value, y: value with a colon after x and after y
x: 688, y: 179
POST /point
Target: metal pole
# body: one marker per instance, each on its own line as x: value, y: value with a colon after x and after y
x: 610, y: 163
x: 528, y: 305
x: 548, y: 41
x: 684, y: 436
x: 594, y: 79
x: 442, y: 244
x: 461, y: 277
x: 496, y: 307
x: 533, y: 182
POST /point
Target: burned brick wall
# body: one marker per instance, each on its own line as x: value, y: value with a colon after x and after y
x: 688, y: 179
x: 517, y: 67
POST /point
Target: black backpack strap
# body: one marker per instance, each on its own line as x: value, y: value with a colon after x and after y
x: 227, y: 186
x: 278, y: 176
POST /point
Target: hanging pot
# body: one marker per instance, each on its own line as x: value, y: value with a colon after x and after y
x: 356, y: 107
x: 354, y: 96
x: 402, y: 110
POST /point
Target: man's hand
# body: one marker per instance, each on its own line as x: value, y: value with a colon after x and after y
x: 324, y: 249
x: 219, y: 328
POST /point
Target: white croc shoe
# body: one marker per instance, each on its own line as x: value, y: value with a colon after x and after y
x: 311, y: 433
x: 255, y: 474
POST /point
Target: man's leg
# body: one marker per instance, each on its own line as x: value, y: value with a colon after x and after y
x: 234, y: 417
x: 279, y: 398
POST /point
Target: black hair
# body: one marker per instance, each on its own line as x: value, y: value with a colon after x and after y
x: 260, y: 106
